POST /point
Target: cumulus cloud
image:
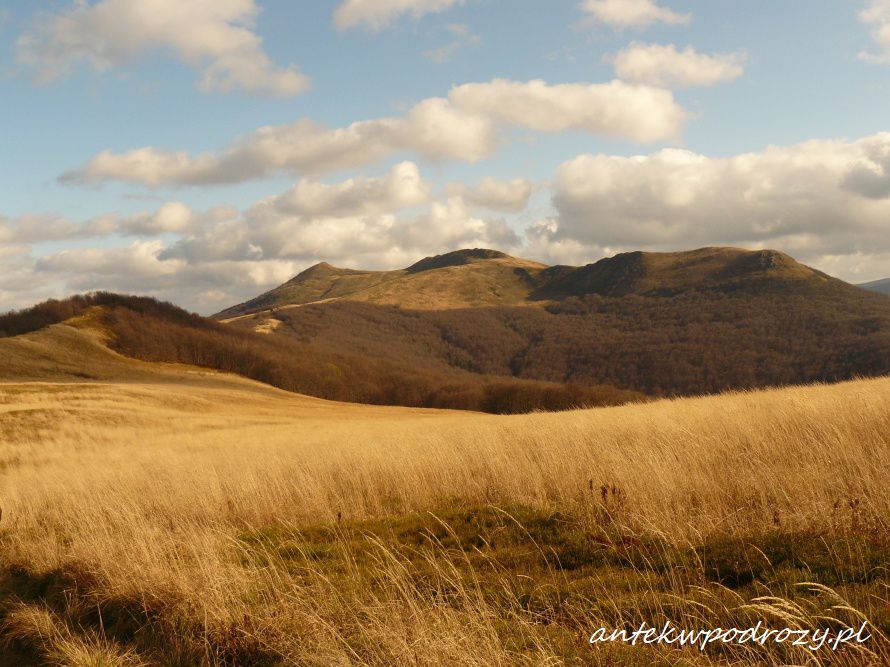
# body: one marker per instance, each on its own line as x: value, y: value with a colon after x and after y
x: 267, y: 231
x: 462, y: 127
x: 172, y: 217
x: 214, y: 36
x: 139, y: 268
x: 877, y: 14
x: 462, y: 37
x: 20, y: 285
x: 664, y: 65
x: 640, y: 113
x: 631, y: 13
x: 434, y: 129
x: 811, y: 200
x: 401, y: 188
x: 507, y: 196
x: 378, y: 14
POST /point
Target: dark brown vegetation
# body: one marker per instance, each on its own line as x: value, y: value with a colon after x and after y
x: 692, y: 342
x: 146, y: 329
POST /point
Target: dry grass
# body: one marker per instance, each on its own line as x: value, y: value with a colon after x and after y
x: 228, y: 525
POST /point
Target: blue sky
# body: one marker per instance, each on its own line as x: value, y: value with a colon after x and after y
x: 533, y: 158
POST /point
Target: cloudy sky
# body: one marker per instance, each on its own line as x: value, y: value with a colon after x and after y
x: 204, y: 151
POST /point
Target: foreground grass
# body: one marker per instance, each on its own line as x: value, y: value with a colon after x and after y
x: 189, y: 526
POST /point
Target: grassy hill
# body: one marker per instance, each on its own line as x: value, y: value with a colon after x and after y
x: 460, y: 279
x: 149, y: 524
x: 658, y: 323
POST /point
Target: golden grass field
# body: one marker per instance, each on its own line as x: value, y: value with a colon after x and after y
x: 221, y: 522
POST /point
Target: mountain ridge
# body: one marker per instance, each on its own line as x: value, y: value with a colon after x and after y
x: 480, y: 277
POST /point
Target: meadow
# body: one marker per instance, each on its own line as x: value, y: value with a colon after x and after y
x: 228, y: 523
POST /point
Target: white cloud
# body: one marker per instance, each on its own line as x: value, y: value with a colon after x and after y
x: 877, y: 14
x: 665, y: 66
x: 401, y: 188
x: 20, y: 285
x: 462, y: 37
x: 508, y: 196
x: 631, y: 13
x: 172, y: 217
x: 140, y: 269
x: 214, y: 36
x: 433, y: 129
x: 378, y: 14
x: 812, y: 200
x: 462, y: 127
x: 269, y: 231
x: 639, y: 113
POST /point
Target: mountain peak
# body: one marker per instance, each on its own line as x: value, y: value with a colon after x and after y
x: 316, y: 270
x: 456, y: 258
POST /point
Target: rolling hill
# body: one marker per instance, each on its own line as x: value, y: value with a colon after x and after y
x: 882, y: 286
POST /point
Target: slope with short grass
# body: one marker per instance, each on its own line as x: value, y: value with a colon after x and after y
x: 211, y: 525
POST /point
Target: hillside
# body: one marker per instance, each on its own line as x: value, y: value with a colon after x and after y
x: 882, y: 286
x: 111, y: 337
x: 659, y: 323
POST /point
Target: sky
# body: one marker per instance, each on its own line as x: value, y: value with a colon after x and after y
x: 204, y: 151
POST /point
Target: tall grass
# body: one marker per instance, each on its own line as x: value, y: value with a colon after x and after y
x: 185, y: 525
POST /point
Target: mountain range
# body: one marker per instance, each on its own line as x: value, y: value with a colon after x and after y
x: 478, y: 329
x: 485, y: 278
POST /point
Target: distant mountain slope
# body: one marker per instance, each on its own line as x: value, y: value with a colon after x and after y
x: 460, y: 279
x: 484, y: 278
x: 882, y: 286
x: 660, y: 323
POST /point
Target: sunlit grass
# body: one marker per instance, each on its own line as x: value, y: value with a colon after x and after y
x: 186, y: 525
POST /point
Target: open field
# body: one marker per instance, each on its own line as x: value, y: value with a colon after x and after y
x: 226, y: 523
